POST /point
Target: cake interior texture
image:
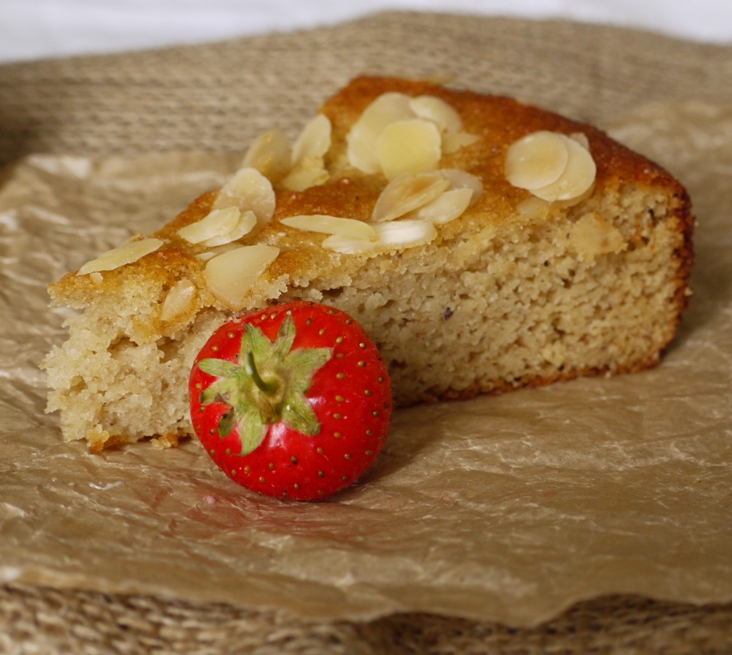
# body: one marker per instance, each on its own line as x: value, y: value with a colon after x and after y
x: 515, y: 292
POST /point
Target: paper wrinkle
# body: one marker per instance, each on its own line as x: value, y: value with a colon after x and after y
x: 507, y: 508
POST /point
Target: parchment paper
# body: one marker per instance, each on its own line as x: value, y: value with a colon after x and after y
x: 506, y: 508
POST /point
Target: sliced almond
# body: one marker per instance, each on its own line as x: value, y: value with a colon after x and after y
x: 246, y: 223
x: 449, y: 206
x: 453, y: 142
x: 395, y: 235
x: 537, y: 160
x: 324, y: 224
x: 350, y: 245
x: 310, y: 172
x: 408, y: 193
x: 405, y: 234
x: 362, y: 137
x: 533, y: 208
x: 314, y: 140
x: 411, y: 146
x: 218, y: 250
x: 178, y: 300
x: 127, y: 254
x: 460, y: 179
x: 438, y: 111
x: 581, y: 138
x: 232, y: 275
x: 248, y: 190
x: 576, y: 179
x: 217, y: 223
x: 270, y: 154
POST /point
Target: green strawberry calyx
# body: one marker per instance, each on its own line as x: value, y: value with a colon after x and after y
x: 267, y: 386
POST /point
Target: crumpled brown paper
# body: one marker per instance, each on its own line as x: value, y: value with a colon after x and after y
x: 505, y: 508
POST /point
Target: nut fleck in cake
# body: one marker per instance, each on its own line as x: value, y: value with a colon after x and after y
x: 484, y: 244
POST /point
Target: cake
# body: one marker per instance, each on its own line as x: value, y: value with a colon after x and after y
x: 484, y: 244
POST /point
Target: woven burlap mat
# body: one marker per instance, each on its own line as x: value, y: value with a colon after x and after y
x: 218, y: 97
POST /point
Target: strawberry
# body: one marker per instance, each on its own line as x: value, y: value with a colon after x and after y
x: 293, y: 401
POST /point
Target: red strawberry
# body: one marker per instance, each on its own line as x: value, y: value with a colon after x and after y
x: 293, y: 401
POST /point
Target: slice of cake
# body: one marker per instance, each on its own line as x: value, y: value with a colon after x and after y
x: 484, y: 244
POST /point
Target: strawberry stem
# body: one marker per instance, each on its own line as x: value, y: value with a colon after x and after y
x: 257, y: 402
x: 251, y: 368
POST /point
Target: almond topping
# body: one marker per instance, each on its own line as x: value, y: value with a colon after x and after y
x: 460, y: 179
x: 127, y: 254
x: 308, y: 166
x: 577, y: 178
x: 364, y: 133
x: 218, y: 222
x: 248, y: 190
x: 411, y: 146
x: 178, y: 300
x: 533, y: 208
x: 210, y: 254
x: 537, y: 160
x: 581, y: 138
x: 308, y: 174
x: 395, y: 235
x: 270, y: 154
x: 453, y: 142
x: 346, y: 227
x: 449, y: 206
x: 407, y: 193
x: 438, y: 111
x: 245, y: 225
x: 314, y: 140
x: 219, y: 227
x: 232, y: 275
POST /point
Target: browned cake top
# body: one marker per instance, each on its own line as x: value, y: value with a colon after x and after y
x: 497, y: 121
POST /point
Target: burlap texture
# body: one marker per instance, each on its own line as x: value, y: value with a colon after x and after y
x: 218, y: 97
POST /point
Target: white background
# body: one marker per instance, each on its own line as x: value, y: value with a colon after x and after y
x: 33, y: 29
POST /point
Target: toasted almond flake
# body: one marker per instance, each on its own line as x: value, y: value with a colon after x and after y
x: 304, y: 178
x: 438, y: 111
x: 347, y: 227
x: 244, y: 225
x: 218, y: 250
x: 537, y: 160
x: 217, y: 223
x: 270, y: 154
x: 407, y: 193
x: 127, y: 254
x: 350, y: 245
x: 571, y: 202
x: 460, y: 179
x: 362, y: 137
x: 453, y: 142
x: 411, y: 146
x: 248, y: 190
x: 449, y: 206
x: 314, y: 140
x: 576, y: 179
x: 533, y: 208
x: 232, y: 275
x: 205, y: 256
x: 581, y: 138
x: 178, y: 300
x: 406, y: 233
x: 395, y: 235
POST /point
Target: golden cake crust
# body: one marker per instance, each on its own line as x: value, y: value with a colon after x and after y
x: 498, y: 121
